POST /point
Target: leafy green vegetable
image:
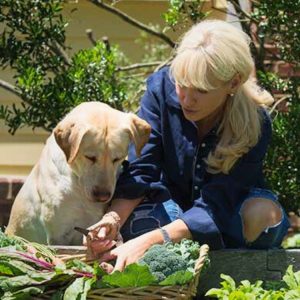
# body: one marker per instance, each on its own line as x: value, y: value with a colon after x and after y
x: 292, y: 279
x: 134, y: 275
x: 287, y: 289
x: 58, y: 295
x: 28, y: 269
x: 15, y: 268
x: 292, y: 242
x: 34, y: 278
x: 34, y: 269
x: 178, y: 278
x: 78, y: 289
x: 188, y: 250
x: 23, y: 294
x: 6, y: 241
x: 163, y: 262
x: 79, y: 265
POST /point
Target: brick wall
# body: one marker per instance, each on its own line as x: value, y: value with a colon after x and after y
x: 9, y: 188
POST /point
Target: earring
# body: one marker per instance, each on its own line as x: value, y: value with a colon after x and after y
x: 231, y: 95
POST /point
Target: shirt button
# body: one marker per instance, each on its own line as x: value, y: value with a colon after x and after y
x: 196, y: 187
x: 203, y: 145
x: 198, y: 166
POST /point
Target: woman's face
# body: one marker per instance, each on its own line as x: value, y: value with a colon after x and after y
x: 198, y: 105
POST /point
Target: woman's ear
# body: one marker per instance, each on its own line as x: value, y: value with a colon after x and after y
x: 235, y: 83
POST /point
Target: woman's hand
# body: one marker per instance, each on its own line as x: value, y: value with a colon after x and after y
x: 103, y: 235
x: 131, y: 251
x: 107, y: 228
x: 134, y: 249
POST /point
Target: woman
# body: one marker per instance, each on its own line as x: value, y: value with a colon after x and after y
x: 200, y: 175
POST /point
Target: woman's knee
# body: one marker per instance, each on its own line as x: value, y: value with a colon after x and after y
x: 258, y: 214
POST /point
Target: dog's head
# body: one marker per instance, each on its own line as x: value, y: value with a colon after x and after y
x: 95, y: 139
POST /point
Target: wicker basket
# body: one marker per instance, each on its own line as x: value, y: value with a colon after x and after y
x: 149, y: 292
x: 155, y: 292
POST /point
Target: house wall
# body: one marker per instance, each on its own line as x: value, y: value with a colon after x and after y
x: 19, y: 153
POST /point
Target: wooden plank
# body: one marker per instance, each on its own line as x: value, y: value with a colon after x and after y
x: 70, y: 250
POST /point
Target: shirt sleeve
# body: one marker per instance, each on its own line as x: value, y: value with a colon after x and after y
x: 210, y: 215
x: 142, y: 177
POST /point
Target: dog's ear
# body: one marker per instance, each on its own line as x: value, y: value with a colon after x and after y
x: 139, y: 132
x: 68, y: 136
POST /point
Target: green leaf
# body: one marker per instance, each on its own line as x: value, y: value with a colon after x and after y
x: 292, y: 295
x: 292, y: 242
x: 134, y: 275
x: 238, y: 295
x: 79, y: 265
x: 188, y: 249
x: 228, y: 282
x: 23, y: 294
x: 13, y: 267
x: 178, y: 278
x: 6, y: 241
x: 79, y: 289
x: 58, y: 295
x: 13, y: 283
x: 217, y: 293
x: 292, y: 279
x: 98, y: 271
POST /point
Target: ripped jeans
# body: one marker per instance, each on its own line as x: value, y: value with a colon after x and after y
x: 149, y: 216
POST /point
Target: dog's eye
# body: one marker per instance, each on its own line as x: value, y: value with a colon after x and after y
x: 116, y: 160
x: 91, y: 158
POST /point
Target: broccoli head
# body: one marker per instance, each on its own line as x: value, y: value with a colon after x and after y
x: 163, y: 262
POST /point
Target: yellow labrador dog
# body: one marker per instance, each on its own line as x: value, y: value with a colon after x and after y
x: 76, y: 175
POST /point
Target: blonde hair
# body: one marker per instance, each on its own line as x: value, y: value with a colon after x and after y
x: 210, y: 54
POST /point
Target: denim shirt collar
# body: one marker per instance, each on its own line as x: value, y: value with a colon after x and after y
x: 172, y: 99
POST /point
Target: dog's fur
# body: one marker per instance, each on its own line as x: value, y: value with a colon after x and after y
x: 75, y: 177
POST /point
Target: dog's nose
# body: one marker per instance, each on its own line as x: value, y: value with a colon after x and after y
x: 101, y: 195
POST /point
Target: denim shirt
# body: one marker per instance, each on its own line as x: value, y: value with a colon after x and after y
x: 172, y: 166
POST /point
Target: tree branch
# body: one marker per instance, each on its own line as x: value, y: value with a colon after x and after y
x: 89, y: 33
x: 164, y: 63
x: 239, y: 10
x: 224, y: 11
x: 61, y: 52
x: 139, y: 66
x: 133, y: 22
x: 9, y: 87
x: 246, y: 26
x: 284, y: 97
x: 106, y: 42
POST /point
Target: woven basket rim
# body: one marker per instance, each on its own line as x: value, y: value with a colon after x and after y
x: 187, y: 290
x: 153, y: 292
